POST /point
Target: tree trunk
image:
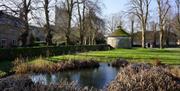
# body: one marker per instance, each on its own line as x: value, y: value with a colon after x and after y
x: 68, y: 41
x: 85, y: 40
x: 154, y: 35
x: 80, y: 25
x: 143, y: 37
x: 24, y: 36
x: 49, y: 36
x: 132, y: 32
x: 161, y: 37
x: 167, y: 37
x: 70, y: 6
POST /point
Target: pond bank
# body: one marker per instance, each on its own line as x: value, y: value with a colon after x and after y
x: 41, y: 65
x: 95, y: 77
x: 23, y: 83
x: 135, y: 77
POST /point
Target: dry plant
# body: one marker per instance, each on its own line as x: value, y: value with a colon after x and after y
x: 175, y: 71
x: 143, y: 77
x: 20, y: 66
x: 23, y: 83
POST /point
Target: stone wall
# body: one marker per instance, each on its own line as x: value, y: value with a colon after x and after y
x: 9, y: 34
x: 119, y: 42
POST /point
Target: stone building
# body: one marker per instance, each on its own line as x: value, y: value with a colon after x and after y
x: 11, y: 28
x: 119, y: 39
x: 152, y: 38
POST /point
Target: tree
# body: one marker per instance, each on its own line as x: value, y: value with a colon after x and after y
x: 22, y: 8
x: 176, y: 18
x: 163, y: 8
x: 113, y: 21
x: 81, y: 15
x: 24, y: 15
x: 140, y: 8
x: 93, y: 22
x: 153, y: 27
x: 48, y: 29
x: 69, y: 4
x: 132, y: 32
x: 178, y: 14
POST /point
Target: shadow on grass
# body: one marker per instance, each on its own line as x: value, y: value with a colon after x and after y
x: 5, y: 66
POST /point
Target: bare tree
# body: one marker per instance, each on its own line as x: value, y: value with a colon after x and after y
x: 178, y: 11
x: 93, y: 23
x: 69, y: 5
x: 153, y: 27
x: 64, y: 17
x: 113, y: 21
x: 140, y: 8
x: 132, y: 30
x: 24, y: 11
x: 163, y: 8
x: 48, y: 29
x: 176, y: 19
x: 81, y: 14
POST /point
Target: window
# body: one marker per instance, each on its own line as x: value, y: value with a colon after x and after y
x: 3, y: 43
x: 13, y: 42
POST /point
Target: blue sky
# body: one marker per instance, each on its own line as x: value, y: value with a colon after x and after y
x: 114, y: 6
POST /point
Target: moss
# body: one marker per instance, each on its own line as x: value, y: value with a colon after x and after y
x: 120, y: 32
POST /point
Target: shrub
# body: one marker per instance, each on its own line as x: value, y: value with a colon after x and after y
x: 119, y: 63
x: 175, y: 71
x: 32, y: 52
x: 142, y: 77
x: 157, y: 62
x: 2, y: 73
x: 41, y: 65
x: 23, y: 83
x: 20, y: 66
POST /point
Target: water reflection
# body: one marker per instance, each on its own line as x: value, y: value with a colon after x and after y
x: 97, y: 78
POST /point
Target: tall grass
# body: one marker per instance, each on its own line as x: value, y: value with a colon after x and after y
x: 22, y: 66
x: 41, y: 65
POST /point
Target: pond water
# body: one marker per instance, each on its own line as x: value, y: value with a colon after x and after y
x: 98, y: 78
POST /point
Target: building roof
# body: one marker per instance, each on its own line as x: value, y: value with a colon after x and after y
x: 119, y: 32
x: 10, y: 20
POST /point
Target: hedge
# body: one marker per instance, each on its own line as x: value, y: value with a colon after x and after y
x: 31, y: 52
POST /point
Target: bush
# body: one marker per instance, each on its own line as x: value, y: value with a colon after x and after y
x: 13, y: 53
x: 142, y: 77
x: 41, y: 65
x: 38, y: 65
x: 20, y: 66
x: 23, y: 83
x: 2, y: 73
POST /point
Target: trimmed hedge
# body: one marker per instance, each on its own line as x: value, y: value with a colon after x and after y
x: 13, y: 53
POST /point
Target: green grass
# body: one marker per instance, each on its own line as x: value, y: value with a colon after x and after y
x: 5, y: 67
x: 167, y: 56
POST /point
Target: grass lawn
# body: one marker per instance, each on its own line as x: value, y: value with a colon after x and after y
x: 168, y: 56
x: 5, y: 67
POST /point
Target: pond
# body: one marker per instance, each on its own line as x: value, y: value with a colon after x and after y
x: 98, y: 78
